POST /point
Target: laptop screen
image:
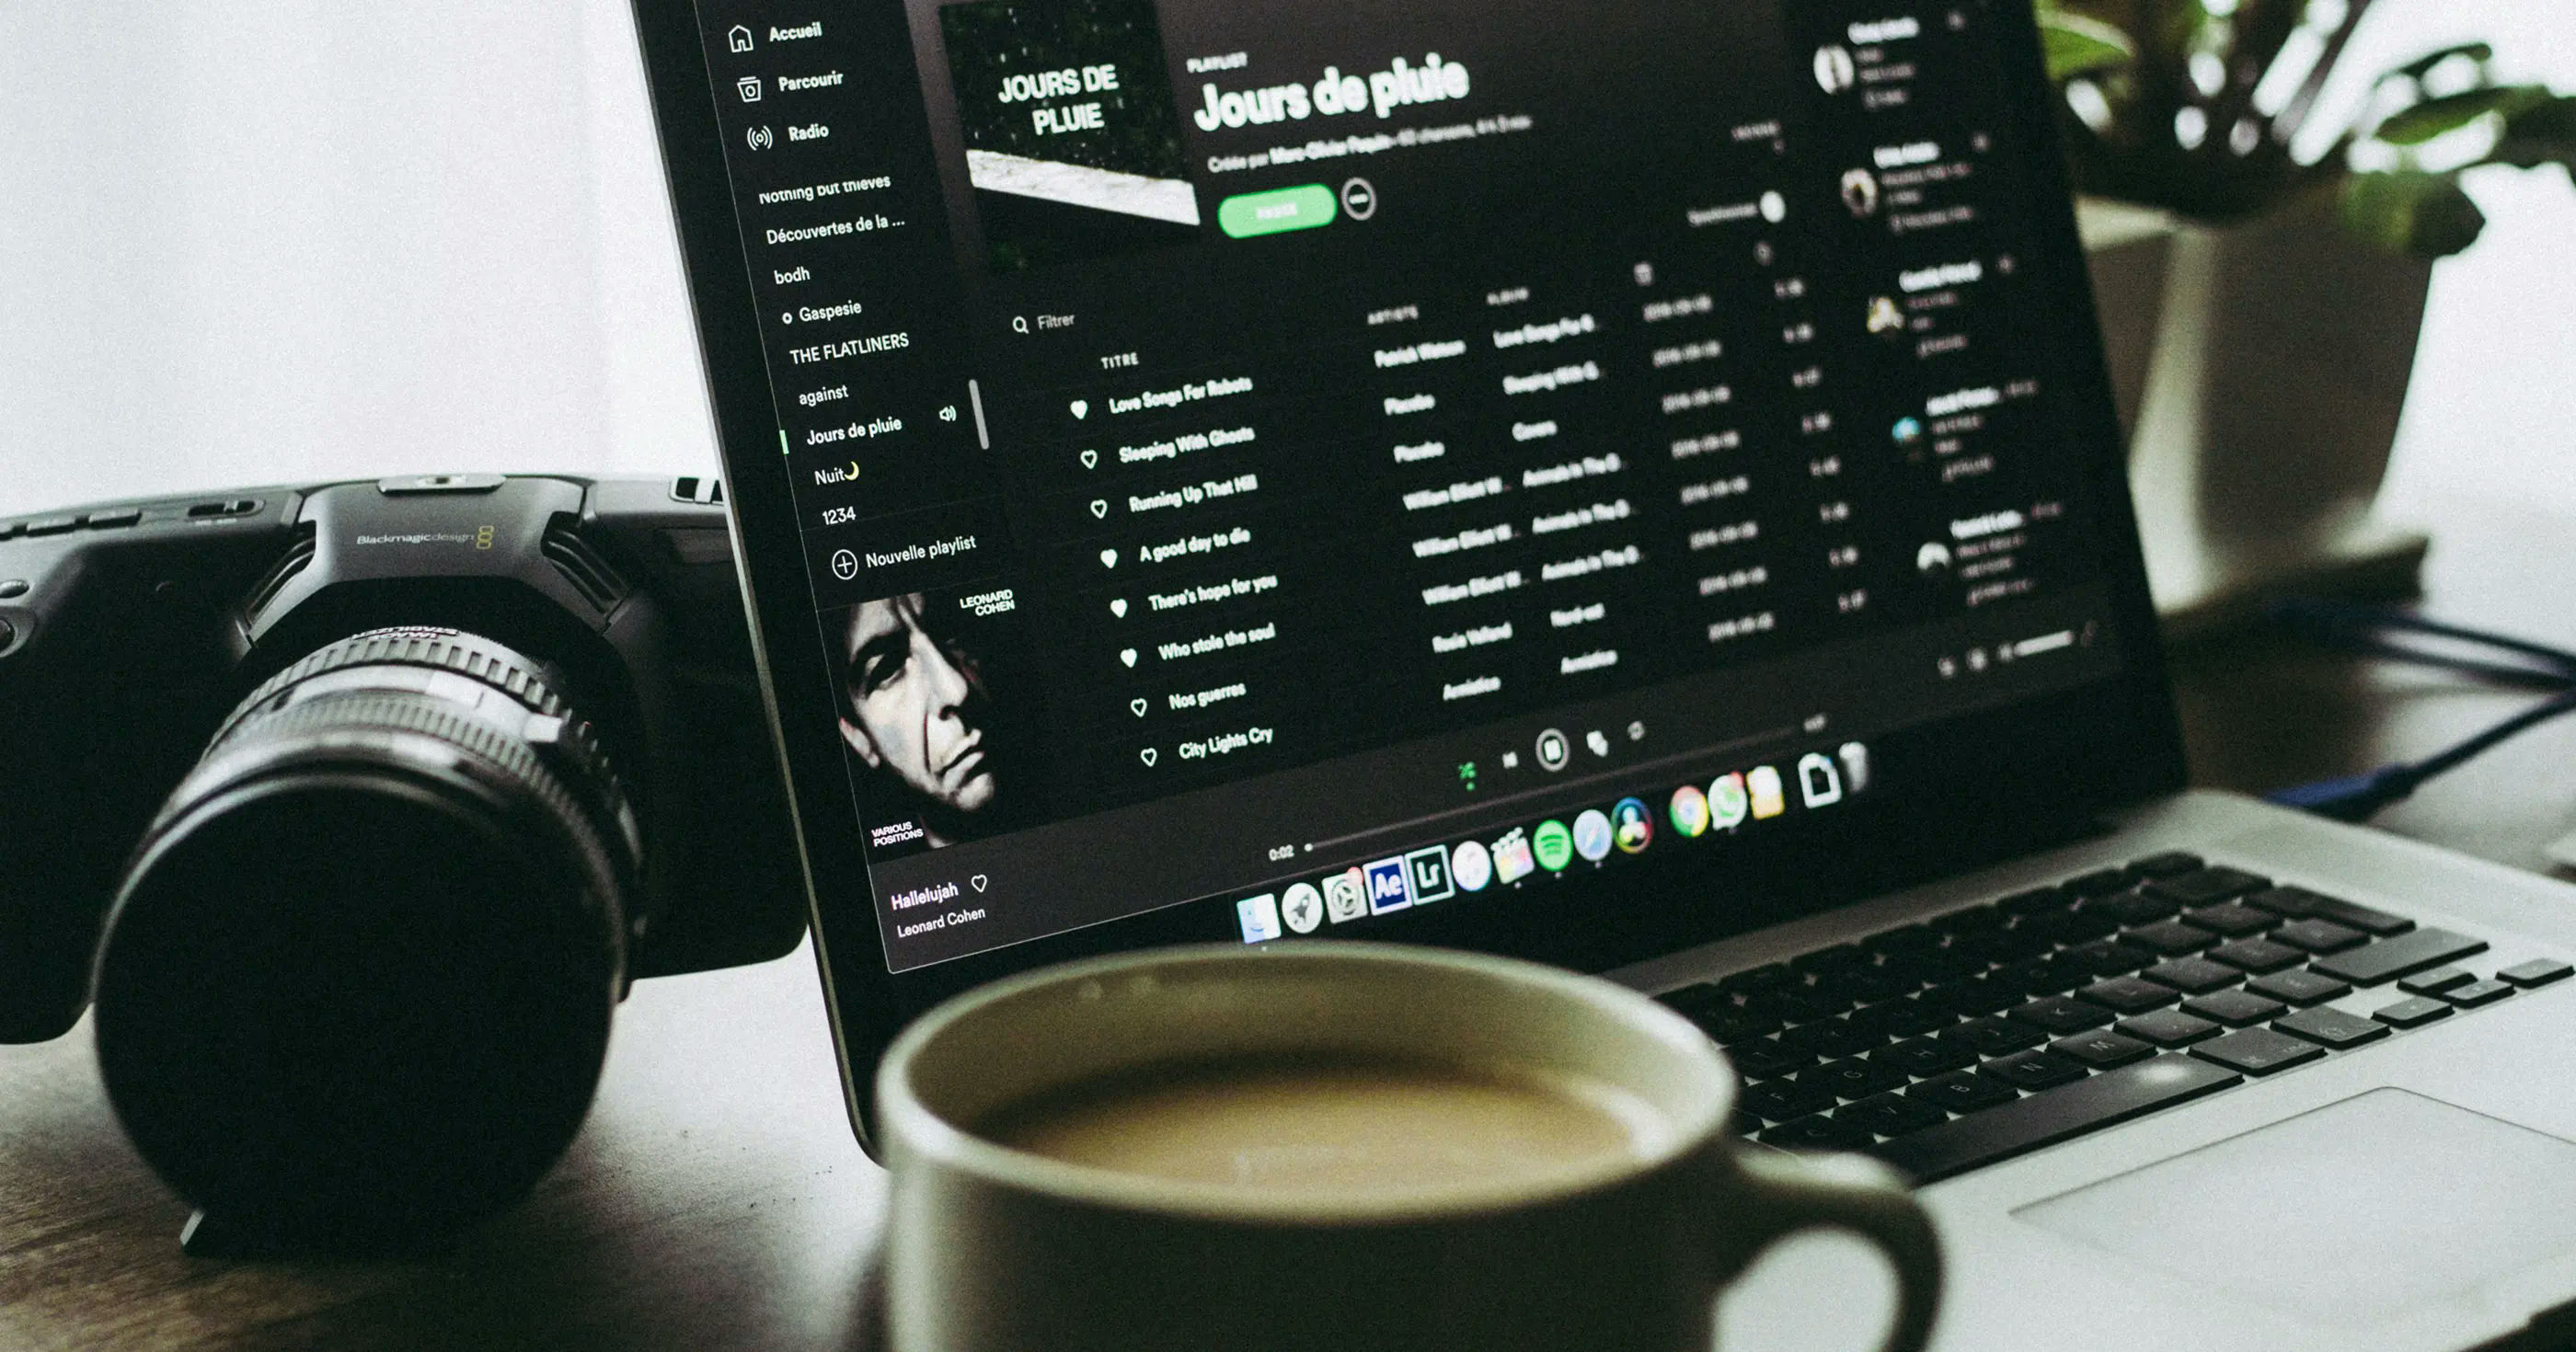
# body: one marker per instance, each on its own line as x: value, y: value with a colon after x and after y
x: 1315, y: 465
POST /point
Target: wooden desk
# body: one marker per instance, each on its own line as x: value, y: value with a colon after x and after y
x: 716, y: 1198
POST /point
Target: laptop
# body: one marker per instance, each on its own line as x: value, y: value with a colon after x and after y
x: 1630, y: 484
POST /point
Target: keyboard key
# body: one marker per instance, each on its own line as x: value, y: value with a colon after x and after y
x: 1924, y: 1057
x: 1853, y: 1079
x: 2301, y: 988
x: 2067, y: 927
x: 1835, y: 1037
x: 1872, y: 983
x: 2300, y: 903
x: 2000, y: 945
x: 2202, y: 887
x: 1762, y: 1058
x: 1691, y: 999
x: 2059, y: 1014
x: 1909, y: 939
x: 2537, y: 972
x: 2171, y: 938
x: 2035, y: 901
x: 2100, y: 882
x: 1827, y: 959
x: 1911, y: 1017
x: 2404, y: 955
x: 1785, y: 1100
x: 2128, y: 994
x: 1975, y: 996
x: 2477, y: 993
x: 1969, y: 919
x: 2193, y: 976
x: 1891, y: 1115
x: 2059, y: 1114
x: 2259, y: 1051
x: 2132, y: 908
x: 2167, y: 1028
x: 2331, y: 1028
x: 1816, y: 1133
x: 1806, y: 1004
x: 2318, y: 936
x: 1994, y: 1037
x: 1961, y: 1091
x: 2413, y: 1013
x: 2035, y: 1070
x: 2109, y: 957
x: 2236, y: 1009
x: 2102, y: 1051
x: 2171, y: 863
x: 2257, y: 955
x: 1772, y: 977
x: 2232, y: 919
x: 2436, y: 981
x: 2042, y: 976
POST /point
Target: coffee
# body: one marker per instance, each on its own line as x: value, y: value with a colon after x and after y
x: 1332, y: 1125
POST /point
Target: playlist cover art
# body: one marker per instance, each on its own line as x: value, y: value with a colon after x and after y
x: 1073, y: 143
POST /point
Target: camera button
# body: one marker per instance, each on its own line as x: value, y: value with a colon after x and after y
x: 110, y: 520
x: 51, y: 525
x: 12, y: 589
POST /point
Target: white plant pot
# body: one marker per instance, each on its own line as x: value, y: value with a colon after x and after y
x: 2262, y: 408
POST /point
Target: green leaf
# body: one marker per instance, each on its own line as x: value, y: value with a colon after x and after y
x: 2410, y: 211
x: 2413, y: 126
x: 2544, y: 133
x: 2077, y: 46
x: 2418, y: 68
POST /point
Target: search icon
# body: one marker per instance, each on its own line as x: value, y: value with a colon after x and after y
x: 1020, y: 323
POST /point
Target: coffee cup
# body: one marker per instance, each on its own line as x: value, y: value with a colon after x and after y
x: 1337, y: 1145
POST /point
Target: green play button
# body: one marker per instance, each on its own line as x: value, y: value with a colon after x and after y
x: 1267, y: 213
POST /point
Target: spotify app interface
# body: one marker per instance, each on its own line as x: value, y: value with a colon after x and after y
x: 1313, y: 462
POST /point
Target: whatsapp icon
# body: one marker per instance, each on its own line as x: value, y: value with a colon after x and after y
x: 1553, y: 844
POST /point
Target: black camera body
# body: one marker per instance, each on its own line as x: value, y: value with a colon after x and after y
x: 358, y: 806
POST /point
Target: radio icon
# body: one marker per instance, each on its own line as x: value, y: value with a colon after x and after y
x: 760, y: 138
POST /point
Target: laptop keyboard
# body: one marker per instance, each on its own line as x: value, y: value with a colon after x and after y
x: 2004, y: 1027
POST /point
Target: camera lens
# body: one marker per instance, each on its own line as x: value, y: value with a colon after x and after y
x: 357, y: 981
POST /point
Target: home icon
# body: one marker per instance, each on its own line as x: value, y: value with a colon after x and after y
x: 739, y: 38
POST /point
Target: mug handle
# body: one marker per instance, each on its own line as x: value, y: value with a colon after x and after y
x: 1771, y: 1195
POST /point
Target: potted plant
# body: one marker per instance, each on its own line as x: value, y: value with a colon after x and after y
x: 2262, y: 264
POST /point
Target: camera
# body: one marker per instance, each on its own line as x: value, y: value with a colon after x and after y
x: 354, y: 809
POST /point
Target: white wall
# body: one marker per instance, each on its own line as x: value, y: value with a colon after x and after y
x: 260, y: 241
x: 273, y: 239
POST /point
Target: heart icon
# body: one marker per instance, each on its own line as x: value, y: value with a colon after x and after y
x: 1091, y: 459
x: 1099, y: 507
x: 1109, y: 558
x: 1081, y: 409
x: 1146, y: 755
x: 1138, y: 705
x: 978, y: 882
x: 1128, y: 656
x: 1119, y: 607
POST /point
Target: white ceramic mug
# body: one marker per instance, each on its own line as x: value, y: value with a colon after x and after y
x: 996, y: 1248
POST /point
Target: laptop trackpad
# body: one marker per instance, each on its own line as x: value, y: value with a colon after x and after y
x: 2379, y: 1202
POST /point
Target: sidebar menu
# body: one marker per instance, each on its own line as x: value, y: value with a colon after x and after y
x: 860, y: 310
